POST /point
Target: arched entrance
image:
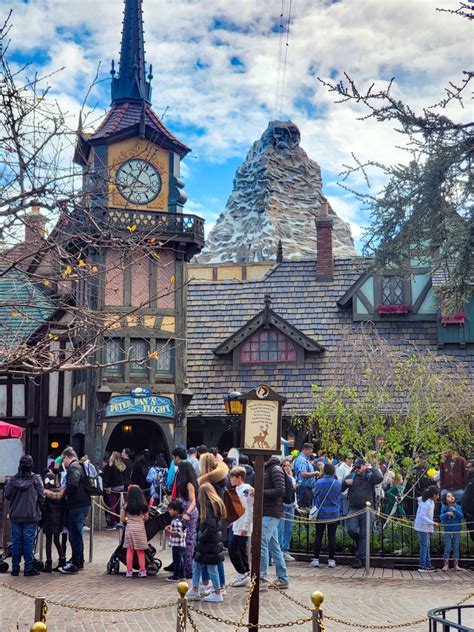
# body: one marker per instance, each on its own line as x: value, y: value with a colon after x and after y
x: 137, y: 434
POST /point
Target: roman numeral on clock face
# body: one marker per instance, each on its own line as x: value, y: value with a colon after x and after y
x: 138, y: 181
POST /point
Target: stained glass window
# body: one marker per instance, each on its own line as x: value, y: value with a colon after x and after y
x: 268, y: 346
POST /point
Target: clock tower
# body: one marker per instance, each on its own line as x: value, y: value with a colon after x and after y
x: 142, y: 240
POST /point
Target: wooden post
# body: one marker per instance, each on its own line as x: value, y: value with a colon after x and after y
x: 256, y: 541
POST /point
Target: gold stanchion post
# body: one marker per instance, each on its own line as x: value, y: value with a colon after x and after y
x: 368, y: 533
x: 317, y: 598
x: 182, y: 589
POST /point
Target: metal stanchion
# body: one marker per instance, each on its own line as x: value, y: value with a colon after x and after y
x: 40, y: 545
x: 368, y: 532
x: 317, y: 598
x: 40, y: 616
x: 91, y: 533
x: 182, y: 588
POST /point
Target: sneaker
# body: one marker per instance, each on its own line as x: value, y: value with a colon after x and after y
x: 332, y: 563
x: 69, y: 569
x: 171, y: 579
x: 315, y: 563
x: 357, y: 563
x: 169, y: 568
x: 426, y: 570
x: 241, y: 580
x: 279, y: 584
x: 205, y: 589
x: 288, y: 558
x: 32, y: 573
x: 85, y: 529
x: 193, y: 595
x: 142, y: 573
x: 15, y: 572
x: 214, y: 597
x: 110, y: 528
x: 129, y: 574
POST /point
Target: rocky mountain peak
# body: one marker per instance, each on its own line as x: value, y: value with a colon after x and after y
x: 276, y: 194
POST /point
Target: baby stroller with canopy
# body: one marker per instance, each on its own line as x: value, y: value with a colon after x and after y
x: 158, y: 520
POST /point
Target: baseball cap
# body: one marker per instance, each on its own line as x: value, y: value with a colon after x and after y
x: 359, y: 461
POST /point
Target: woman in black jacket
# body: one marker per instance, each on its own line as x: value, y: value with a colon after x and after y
x: 210, y: 543
x: 114, y: 478
x: 54, y: 521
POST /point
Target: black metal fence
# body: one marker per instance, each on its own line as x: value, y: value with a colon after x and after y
x: 392, y: 539
x: 448, y: 619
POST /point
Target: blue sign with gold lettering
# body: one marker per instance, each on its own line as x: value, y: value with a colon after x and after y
x: 153, y: 405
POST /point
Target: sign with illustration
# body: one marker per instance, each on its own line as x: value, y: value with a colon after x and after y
x: 127, y: 405
x: 261, y: 420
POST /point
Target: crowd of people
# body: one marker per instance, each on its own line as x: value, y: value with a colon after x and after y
x: 210, y: 498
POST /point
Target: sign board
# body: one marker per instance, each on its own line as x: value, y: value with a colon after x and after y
x: 127, y: 405
x: 261, y: 420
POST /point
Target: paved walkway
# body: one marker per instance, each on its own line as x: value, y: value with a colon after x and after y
x: 388, y: 597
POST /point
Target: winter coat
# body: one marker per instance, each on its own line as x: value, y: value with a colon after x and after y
x: 452, y: 474
x: 244, y: 523
x: 54, y: 514
x: 362, y: 488
x: 26, y: 495
x: 273, y: 488
x: 467, y: 501
x: 424, y: 516
x: 451, y: 524
x: 113, y: 477
x: 249, y: 475
x: 216, y: 477
x: 327, y: 497
x: 76, y: 492
x: 210, y: 542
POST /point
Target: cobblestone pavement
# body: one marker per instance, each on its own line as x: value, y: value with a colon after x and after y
x: 386, y: 598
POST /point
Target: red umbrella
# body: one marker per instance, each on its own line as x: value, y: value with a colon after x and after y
x: 9, y: 431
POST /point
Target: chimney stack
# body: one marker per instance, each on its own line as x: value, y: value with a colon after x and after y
x: 324, y: 259
x: 35, y: 225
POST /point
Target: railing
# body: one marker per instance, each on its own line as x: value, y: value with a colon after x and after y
x: 159, y: 223
x: 438, y: 616
x: 393, y: 541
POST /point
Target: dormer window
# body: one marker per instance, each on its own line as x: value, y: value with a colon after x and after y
x: 268, y: 346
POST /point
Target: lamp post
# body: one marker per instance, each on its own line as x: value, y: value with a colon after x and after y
x: 183, y: 399
x: 233, y: 408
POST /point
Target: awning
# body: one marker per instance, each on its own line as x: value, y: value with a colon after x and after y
x: 10, y: 431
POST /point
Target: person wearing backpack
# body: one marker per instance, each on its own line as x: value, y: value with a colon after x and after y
x: 78, y: 505
x: 285, y: 528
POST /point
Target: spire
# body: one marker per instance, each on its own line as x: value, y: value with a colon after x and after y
x: 131, y: 84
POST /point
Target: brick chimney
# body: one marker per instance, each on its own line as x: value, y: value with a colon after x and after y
x: 324, y: 258
x: 35, y: 225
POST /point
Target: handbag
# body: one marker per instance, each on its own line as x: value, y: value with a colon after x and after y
x: 314, y: 511
x: 233, y: 505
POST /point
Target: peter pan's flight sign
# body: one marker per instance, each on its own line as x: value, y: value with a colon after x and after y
x: 127, y: 405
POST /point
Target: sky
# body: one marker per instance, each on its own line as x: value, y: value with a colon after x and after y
x: 219, y: 76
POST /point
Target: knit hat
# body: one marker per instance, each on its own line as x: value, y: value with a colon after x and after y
x: 26, y: 463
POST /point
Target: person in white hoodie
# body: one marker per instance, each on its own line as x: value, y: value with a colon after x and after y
x: 424, y: 525
x: 242, y: 528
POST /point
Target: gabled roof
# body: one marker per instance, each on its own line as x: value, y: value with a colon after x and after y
x: 24, y: 307
x: 134, y: 119
x: 268, y: 318
x: 347, y: 296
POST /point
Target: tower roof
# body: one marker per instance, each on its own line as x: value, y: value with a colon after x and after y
x: 131, y: 83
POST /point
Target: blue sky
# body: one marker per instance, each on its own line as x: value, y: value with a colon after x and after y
x: 215, y: 66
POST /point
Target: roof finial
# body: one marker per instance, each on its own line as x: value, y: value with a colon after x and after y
x: 279, y: 252
x: 131, y: 84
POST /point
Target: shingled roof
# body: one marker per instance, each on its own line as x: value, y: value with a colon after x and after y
x: 127, y: 118
x: 24, y: 307
x: 218, y: 309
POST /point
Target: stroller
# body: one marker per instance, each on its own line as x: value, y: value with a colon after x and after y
x: 7, y: 552
x: 158, y: 520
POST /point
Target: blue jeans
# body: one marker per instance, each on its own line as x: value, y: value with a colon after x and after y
x: 285, y: 528
x: 425, y: 559
x: 178, y: 561
x: 220, y: 569
x: 356, y: 529
x: 75, y: 524
x: 271, y: 547
x: 212, y: 571
x: 23, y: 540
x: 451, y: 541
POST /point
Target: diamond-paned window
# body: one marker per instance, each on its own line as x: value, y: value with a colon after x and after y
x: 139, y: 351
x: 392, y: 290
x: 268, y: 346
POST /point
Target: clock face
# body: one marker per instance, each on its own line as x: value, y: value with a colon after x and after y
x: 138, y: 181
